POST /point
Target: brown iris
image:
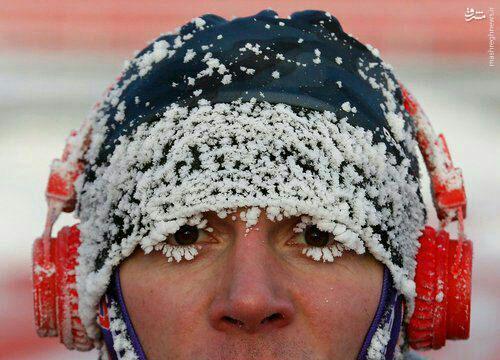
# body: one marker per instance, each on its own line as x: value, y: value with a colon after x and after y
x: 186, y: 235
x: 315, y: 237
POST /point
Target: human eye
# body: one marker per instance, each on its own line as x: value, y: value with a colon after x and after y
x: 185, y: 243
x: 318, y: 244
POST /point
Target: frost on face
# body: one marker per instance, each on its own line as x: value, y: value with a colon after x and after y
x: 250, y: 216
x: 342, y: 238
x: 246, y: 154
x: 177, y: 252
x: 325, y: 254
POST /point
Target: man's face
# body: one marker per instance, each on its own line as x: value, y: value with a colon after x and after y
x: 251, y: 295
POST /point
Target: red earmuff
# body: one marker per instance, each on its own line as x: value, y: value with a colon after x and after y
x: 55, y: 259
x: 444, y: 266
x: 55, y: 295
x: 443, y: 285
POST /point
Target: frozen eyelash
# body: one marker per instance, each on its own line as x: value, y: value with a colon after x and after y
x: 326, y: 253
x: 345, y: 239
x: 182, y: 252
x: 178, y: 252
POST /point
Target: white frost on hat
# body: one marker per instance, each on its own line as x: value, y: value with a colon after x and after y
x: 199, y: 22
x: 159, y: 52
x: 190, y: 54
x: 244, y: 154
x: 226, y: 79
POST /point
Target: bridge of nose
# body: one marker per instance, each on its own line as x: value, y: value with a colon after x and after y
x: 250, y: 297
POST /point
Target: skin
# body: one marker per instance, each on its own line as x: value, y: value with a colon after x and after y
x: 251, y: 295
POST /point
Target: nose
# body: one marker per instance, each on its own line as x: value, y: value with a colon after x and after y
x: 251, y: 297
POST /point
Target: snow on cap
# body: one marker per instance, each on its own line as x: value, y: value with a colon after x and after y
x: 224, y: 114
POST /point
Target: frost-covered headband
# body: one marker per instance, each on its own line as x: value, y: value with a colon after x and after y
x: 289, y: 116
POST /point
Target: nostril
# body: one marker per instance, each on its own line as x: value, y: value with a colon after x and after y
x: 272, y: 318
x: 252, y: 322
x: 233, y: 321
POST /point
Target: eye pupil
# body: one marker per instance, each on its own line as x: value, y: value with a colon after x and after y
x: 186, y: 235
x: 315, y: 237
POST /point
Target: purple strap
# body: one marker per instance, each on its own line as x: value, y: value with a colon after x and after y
x: 130, y: 328
x: 106, y: 332
x: 390, y: 311
x: 396, y: 328
x: 115, y: 295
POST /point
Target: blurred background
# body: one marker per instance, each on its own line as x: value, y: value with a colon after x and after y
x: 57, y: 57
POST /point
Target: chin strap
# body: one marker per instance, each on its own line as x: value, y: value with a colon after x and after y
x: 117, y: 330
x: 382, y: 336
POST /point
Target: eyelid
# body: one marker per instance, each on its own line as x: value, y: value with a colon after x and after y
x: 331, y: 237
x: 208, y: 238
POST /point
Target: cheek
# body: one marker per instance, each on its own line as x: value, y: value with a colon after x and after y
x: 163, y: 305
x: 334, y: 305
x: 338, y: 303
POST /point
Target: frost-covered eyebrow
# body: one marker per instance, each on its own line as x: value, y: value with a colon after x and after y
x: 284, y: 225
x: 226, y: 224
